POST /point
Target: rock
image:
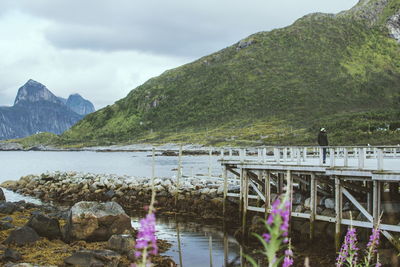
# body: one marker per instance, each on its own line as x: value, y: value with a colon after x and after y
x: 7, y: 219
x: 328, y: 212
x: 45, y: 226
x: 10, y: 146
x: 5, y: 226
x: 93, y: 221
x: 26, y: 265
x: 21, y: 236
x: 2, y: 196
x: 350, y: 214
x: 298, y: 198
x: 329, y: 203
x: 9, y: 184
x: 298, y: 208
x: 109, y: 194
x: 12, y: 255
x: 7, y: 207
x: 104, y: 258
x: 121, y: 243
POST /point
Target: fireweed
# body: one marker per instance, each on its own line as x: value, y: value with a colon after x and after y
x: 146, y: 240
x: 276, y: 239
x: 348, y: 255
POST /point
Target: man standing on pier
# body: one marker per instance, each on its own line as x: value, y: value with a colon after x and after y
x: 323, y: 141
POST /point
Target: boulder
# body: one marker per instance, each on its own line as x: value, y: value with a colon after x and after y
x: 10, y: 264
x: 7, y: 207
x: 94, y: 221
x: 2, y: 196
x: 329, y: 203
x: 5, y: 225
x: 121, y: 243
x: 45, y: 226
x: 11, y: 255
x: 104, y: 258
x: 21, y: 236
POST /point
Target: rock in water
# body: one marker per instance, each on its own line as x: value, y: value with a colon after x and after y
x: 45, y: 226
x: 93, y: 221
x: 21, y: 236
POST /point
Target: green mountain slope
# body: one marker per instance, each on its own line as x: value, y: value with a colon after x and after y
x: 337, y: 71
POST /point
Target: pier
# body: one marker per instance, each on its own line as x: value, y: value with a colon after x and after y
x: 365, y: 178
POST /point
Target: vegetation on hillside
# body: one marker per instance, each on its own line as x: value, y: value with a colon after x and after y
x: 276, y: 87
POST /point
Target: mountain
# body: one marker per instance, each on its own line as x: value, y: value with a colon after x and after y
x: 35, y: 110
x: 80, y: 105
x: 338, y: 71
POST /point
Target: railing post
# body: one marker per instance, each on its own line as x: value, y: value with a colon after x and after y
x: 332, y: 157
x: 222, y: 153
x: 298, y: 156
x: 346, y: 157
x: 285, y: 150
x: 305, y: 154
x: 361, y: 158
x: 380, y: 159
x: 277, y: 155
x: 321, y: 155
x: 264, y: 154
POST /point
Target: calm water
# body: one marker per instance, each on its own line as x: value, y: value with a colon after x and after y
x: 194, y: 237
x: 19, y: 163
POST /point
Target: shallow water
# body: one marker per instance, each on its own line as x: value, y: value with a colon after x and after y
x: 195, y: 242
x: 194, y: 237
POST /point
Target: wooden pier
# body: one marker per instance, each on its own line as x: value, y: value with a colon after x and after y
x: 361, y: 176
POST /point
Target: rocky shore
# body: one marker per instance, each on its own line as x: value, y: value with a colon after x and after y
x: 87, y: 234
x: 200, y: 197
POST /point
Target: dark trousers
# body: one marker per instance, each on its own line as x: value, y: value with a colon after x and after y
x: 324, y: 154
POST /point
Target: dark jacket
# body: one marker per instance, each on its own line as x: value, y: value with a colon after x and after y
x: 322, y: 139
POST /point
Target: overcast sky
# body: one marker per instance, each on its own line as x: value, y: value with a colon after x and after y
x: 103, y: 49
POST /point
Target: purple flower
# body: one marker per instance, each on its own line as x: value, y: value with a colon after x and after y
x: 146, y: 238
x: 288, y: 261
x: 373, y: 240
x: 349, y: 248
x: 266, y: 237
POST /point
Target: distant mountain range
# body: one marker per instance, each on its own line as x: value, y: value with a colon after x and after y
x: 36, y: 109
x: 338, y: 71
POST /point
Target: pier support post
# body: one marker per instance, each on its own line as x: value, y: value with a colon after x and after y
x: 376, y: 202
x: 245, y: 203
x: 267, y: 190
x: 313, y: 204
x: 338, y: 209
x: 225, y: 175
x: 289, y: 191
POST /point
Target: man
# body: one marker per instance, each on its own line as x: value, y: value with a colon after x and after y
x: 323, y: 141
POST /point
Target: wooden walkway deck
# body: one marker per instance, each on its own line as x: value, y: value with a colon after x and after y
x: 358, y: 175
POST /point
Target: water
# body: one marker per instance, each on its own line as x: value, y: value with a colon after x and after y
x: 15, y: 164
x: 194, y: 237
x: 195, y: 242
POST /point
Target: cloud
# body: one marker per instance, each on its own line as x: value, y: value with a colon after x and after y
x: 102, y: 49
x: 174, y: 27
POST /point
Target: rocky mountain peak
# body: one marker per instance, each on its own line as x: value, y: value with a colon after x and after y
x: 80, y: 105
x: 33, y: 91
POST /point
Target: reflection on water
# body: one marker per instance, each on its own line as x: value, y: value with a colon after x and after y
x: 193, y: 239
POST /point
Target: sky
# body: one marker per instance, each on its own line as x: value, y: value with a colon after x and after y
x: 102, y: 49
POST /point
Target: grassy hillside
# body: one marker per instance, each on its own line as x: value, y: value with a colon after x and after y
x: 340, y: 72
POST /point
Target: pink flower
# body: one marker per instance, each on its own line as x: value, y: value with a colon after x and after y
x: 146, y: 236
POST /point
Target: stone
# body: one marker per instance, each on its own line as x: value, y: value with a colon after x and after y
x: 12, y: 255
x: 94, y: 221
x: 103, y: 258
x: 121, y: 243
x: 109, y: 194
x: 329, y: 203
x: 21, y: 236
x: 298, y: 208
x: 45, y: 226
x: 298, y: 198
x: 7, y: 207
x: 2, y: 196
x: 7, y: 219
x: 5, y: 226
x: 329, y: 213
